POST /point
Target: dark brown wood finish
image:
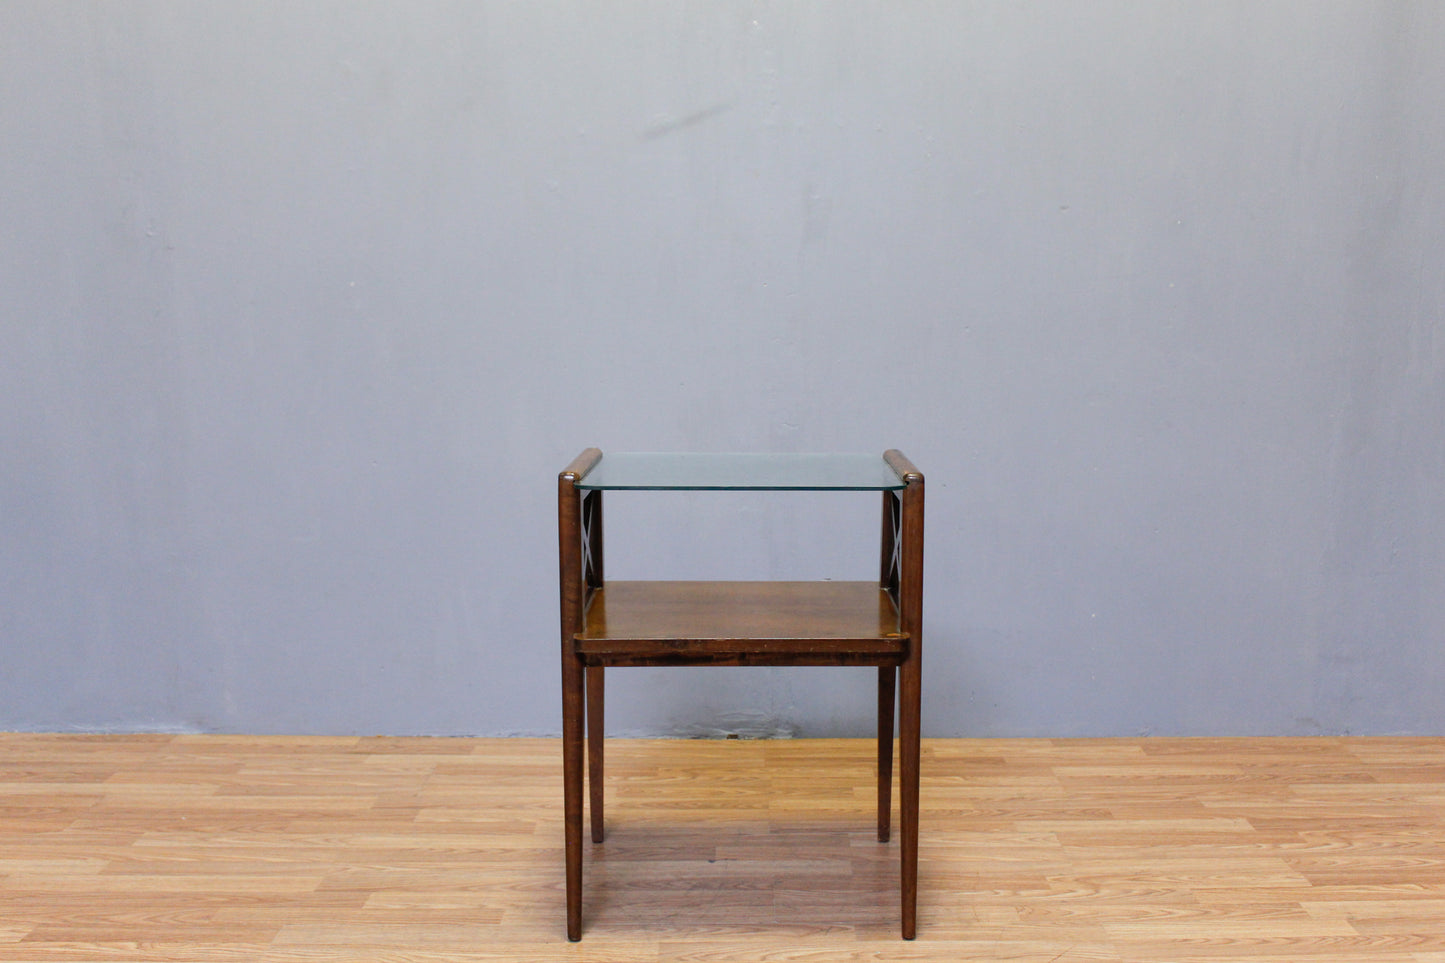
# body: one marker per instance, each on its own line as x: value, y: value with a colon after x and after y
x: 592, y: 577
x: 740, y: 623
x: 910, y: 614
x: 887, y: 675
x: 887, y: 690
x: 572, y: 574
x: 595, y: 720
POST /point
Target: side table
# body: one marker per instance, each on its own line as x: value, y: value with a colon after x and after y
x: 661, y: 623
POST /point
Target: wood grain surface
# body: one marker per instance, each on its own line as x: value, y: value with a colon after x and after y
x: 762, y: 622
x: 327, y: 849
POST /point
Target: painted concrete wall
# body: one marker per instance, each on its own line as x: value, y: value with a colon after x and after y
x: 303, y: 306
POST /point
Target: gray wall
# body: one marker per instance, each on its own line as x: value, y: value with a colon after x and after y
x: 305, y: 304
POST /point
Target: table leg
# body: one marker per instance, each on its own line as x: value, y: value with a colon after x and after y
x: 595, y: 715
x: 909, y: 747
x: 887, y: 686
x: 572, y: 738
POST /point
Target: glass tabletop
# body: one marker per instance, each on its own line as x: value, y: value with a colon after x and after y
x: 693, y: 471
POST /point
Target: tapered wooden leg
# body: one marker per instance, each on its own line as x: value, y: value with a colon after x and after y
x: 908, y: 738
x: 887, y: 684
x: 572, y: 737
x: 595, y: 716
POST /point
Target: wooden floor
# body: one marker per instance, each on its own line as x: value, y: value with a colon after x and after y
x: 229, y: 848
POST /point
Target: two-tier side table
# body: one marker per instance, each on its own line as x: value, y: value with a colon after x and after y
x: 660, y: 623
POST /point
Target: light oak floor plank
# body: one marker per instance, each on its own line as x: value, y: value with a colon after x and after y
x: 220, y: 848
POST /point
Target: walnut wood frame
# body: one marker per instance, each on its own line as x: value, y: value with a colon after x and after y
x: 669, y: 623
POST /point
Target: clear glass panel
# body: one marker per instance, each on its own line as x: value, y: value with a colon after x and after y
x: 677, y: 471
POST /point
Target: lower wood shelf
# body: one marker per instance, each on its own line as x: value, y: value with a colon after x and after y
x: 742, y: 623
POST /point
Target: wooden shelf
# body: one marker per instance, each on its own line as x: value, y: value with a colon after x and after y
x: 742, y: 623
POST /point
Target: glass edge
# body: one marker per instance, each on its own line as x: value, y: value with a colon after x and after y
x: 586, y: 483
